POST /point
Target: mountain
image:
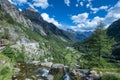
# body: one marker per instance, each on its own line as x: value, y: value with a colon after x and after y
x: 14, y: 13
x: 114, y: 32
x: 27, y: 30
x: 44, y: 28
x: 78, y: 35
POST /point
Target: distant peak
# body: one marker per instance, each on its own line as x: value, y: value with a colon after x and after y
x: 32, y: 9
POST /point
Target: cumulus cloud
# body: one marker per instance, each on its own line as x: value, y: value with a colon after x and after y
x: 41, y: 3
x: 80, y: 18
x: 67, y: 2
x: 85, y: 24
x: 50, y: 20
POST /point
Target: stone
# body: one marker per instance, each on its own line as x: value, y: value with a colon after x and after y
x: 47, y: 64
x: 95, y: 75
x: 35, y: 62
x: 50, y: 77
x: 17, y: 70
x: 57, y: 66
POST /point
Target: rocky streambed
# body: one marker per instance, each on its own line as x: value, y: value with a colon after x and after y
x: 50, y: 71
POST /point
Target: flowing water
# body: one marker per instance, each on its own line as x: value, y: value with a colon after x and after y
x: 27, y: 71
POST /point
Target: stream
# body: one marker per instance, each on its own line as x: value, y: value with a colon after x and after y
x: 27, y: 71
x: 30, y: 71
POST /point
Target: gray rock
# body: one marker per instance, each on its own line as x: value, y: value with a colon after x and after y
x: 58, y: 66
x: 50, y: 77
x: 47, y: 64
x: 14, y: 12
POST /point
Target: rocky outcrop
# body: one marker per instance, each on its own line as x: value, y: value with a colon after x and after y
x: 14, y: 13
x: 44, y: 28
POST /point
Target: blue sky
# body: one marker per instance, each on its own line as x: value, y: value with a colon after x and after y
x: 82, y: 15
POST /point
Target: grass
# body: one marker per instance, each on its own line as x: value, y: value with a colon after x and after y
x: 6, y: 68
x: 117, y: 70
x: 110, y: 77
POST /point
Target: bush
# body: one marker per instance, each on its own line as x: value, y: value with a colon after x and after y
x: 110, y: 77
x: 9, y: 52
x: 6, y: 68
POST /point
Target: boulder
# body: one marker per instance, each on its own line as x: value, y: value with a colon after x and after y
x: 47, y: 64
x: 58, y: 66
x: 35, y: 62
x: 50, y: 77
x: 95, y: 75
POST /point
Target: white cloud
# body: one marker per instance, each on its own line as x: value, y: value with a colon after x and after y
x: 67, y: 2
x: 18, y: 2
x: 50, y: 20
x: 113, y: 14
x: 76, y: 5
x: 36, y: 3
x: 83, y: 23
x: 89, y: 4
x: 95, y: 10
x: 80, y: 18
x: 81, y: 4
x: 41, y: 3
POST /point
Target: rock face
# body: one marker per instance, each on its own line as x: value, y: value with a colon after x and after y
x: 14, y: 13
x: 44, y: 28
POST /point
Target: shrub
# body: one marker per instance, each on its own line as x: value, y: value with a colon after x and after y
x: 6, y: 68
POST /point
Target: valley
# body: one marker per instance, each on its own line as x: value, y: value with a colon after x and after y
x: 34, y: 49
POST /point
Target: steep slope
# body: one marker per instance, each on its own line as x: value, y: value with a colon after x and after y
x: 21, y: 34
x: 44, y: 28
x: 14, y: 13
x: 114, y: 32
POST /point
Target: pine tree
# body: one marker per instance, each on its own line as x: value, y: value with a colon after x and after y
x: 97, y: 46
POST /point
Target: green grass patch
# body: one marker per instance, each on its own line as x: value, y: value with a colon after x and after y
x: 110, y: 77
x: 6, y: 67
x: 107, y: 69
